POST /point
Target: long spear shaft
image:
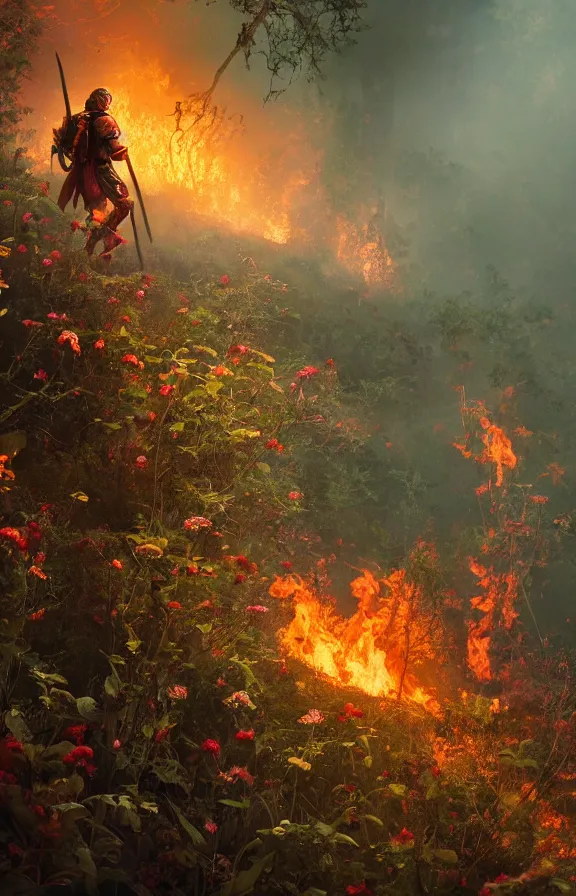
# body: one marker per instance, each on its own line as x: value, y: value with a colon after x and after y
x: 139, y: 195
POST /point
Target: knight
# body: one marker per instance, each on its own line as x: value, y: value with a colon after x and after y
x: 90, y: 140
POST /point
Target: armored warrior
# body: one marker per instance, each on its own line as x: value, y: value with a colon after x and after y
x: 90, y: 140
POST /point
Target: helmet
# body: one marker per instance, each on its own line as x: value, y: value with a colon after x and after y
x: 99, y: 100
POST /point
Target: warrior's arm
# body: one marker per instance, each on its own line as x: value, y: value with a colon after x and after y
x: 108, y: 131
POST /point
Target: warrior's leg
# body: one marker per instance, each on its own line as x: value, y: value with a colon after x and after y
x: 117, y: 192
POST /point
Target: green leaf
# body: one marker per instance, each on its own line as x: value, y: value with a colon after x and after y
x: 245, y: 881
x: 212, y: 387
x: 112, y: 685
x: 196, y: 838
x: 86, y: 706
x: 73, y: 811
x: 124, y: 331
x: 80, y: 496
x: 344, y: 838
x: 561, y: 885
x: 147, y: 731
x: 56, y: 751
x: 368, y: 761
x: 15, y: 723
x: 133, y: 644
x: 448, y: 856
x: 245, y: 804
x: 264, y: 468
x: 177, y: 427
x: 375, y: 820
x: 399, y: 790
x: 204, y: 627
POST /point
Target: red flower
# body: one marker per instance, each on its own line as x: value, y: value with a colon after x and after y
x: 77, y: 732
x: 41, y: 375
x: 330, y: 363
x: 117, y: 564
x: 12, y: 744
x: 32, y: 323
x: 295, y: 496
x: 350, y: 712
x: 131, y: 359
x: 286, y: 564
x: 140, y: 294
x: 56, y: 255
x: 192, y: 569
x: 358, y: 890
x: 210, y: 827
x: 14, y: 535
x: 166, y: 390
x: 405, y: 836
x: 47, y: 262
x: 211, y: 746
x: 239, y: 578
x: 161, y: 735
x: 71, y: 338
x: 22, y: 248
x: 174, y: 605
x: 224, y: 280
x: 117, y: 745
x: 245, y: 735
x: 75, y: 225
x: 274, y: 445
x: 307, y: 372
x: 237, y: 350
x: 141, y: 462
x: 79, y: 755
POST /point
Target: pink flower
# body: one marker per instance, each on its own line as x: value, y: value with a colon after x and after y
x: 99, y: 344
x: 53, y: 316
x: 166, y: 389
x: 178, y: 692
x: 211, y: 746
x: 240, y: 773
x: 195, y: 523
x: 140, y: 294
x: 245, y: 735
x: 210, y: 827
x: 27, y: 217
x: 117, y: 744
x: 257, y: 608
x: 22, y: 248
x: 141, y: 462
x: 56, y: 255
x: 113, y: 301
x: 224, y: 280
x: 47, y: 262
x: 41, y: 375
x: 295, y: 496
x: 312, y: 717
x: 32, y: 323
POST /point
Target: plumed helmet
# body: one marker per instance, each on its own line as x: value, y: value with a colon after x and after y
x: 99, y: 100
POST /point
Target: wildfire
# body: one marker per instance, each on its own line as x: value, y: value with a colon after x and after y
x: 262, y: 179
x: 497, y: 606
x: 375, y: 649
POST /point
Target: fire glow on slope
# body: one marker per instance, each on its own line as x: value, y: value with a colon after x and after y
x: 263, y: 180
x: 371, y: 651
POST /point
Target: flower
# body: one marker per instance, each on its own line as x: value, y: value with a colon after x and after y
x: 141, y: 462
x: 113, y: 301
x: 178, y: 692
x: 240, y: 578
x: 300, y: 763
x: 405, y: 836
x: 307, y: 373
x: 286, y: 564
x: 210, y: 827
x: 224, y: 280
x: 195, y: 523
x: 312, y: 717
x: 131, y: 359
x: 211, y: 746
x: 75, y: 225
x: 161, y: 735
x: 358, y: 890
x: 39, y: 614
x: 275, y: 445
x: 79, y: 755
x: 295, y: 496
x: 538, y: 499
x: 47, y: 262
x: 140, y: 294
x: 240, y: 773
x: 21, y: 248
x: 14, y: 535
x: 350, y: 712
x: 27, y: 217
x: 8, y: 203
x: 36, y: 571
x: 41, y: 375
x: 166, y: 389
x: 117, y: 564
x: 32, y: 323
x: 76, y: 732
x: 99, y: 344
x: 220, y: 370
x: 245, y: 735
x: 257, y: 608
x: 238, y: 699
x: 237, y: 350
x: 56, y: 255
x: 12, y: 744
x: 117, y: 744
x: 71, y: 338
x: 174, y: 605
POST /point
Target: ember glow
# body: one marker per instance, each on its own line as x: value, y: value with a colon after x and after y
x: 370, y: 651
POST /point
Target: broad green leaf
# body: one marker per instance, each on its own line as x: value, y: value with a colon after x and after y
x: 245, y: 881
x: 73, y: 811
x: 177, y: 427
x: 399, y: 790
x: 133, y: 645
x: 124, y: 331
x: 344, y: 838
x: 193, y: 833
x: 244, y: 804
x: 206, y: 349
x: 112, y: 685
x: 86, y: 706
x: 264, y: 468
x: 448, y: 856
x: 375, y: 820
x: 368, y: 761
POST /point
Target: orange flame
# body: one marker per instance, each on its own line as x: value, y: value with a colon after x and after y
x: 497, y: 605
x: 498, y: 449
x: 371, y: 651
